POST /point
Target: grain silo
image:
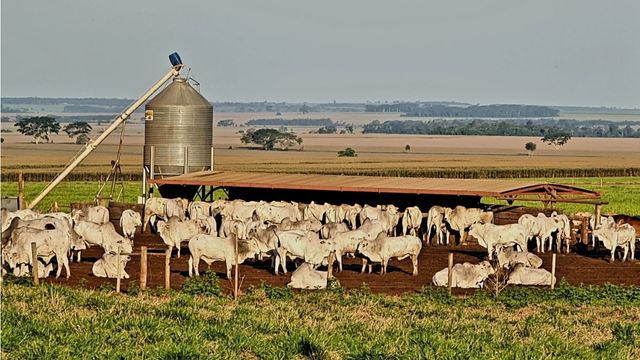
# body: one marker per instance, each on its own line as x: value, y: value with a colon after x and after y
x: 178, y: 132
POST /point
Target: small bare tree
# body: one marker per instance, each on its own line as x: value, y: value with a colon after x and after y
x: 497, y: 281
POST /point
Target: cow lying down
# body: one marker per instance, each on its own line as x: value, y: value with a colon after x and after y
x: 306, y: 277
x: 507, y: 257
x: 522, y: 275
x: 107, y: 266
x: 465, y: 275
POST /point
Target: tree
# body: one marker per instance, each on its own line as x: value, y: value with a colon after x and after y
x: 556, y: 139
x: 269, y: 138
x: 40, y: 127
x: 79, y: 130
x: 305, y: 109
x: 348, y: 152
x: 530, y: 147
x: 407, y: 147
x: 349, y: 129
x: 331, y: 129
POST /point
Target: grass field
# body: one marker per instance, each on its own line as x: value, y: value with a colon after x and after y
x: 274, y: 323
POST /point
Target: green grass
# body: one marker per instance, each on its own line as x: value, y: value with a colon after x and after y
x: 68, y: 192
x: 59, y: 322
x: 622, y: 193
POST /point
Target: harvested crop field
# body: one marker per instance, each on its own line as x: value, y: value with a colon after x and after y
x: 576, y: 269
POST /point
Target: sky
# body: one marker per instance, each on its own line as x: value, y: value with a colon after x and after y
x: 547, y: 52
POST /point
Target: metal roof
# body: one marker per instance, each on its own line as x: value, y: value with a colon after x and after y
x: 178, y: 93
x: 503, y: 189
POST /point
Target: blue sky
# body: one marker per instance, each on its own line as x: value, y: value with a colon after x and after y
x: 535, y: 52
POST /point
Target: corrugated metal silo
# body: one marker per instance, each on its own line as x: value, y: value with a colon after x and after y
x: 178, y: 131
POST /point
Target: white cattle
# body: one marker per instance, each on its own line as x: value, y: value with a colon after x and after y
x: 331, y: 229
x: 104, y: 235
x: 267, y: 242
x: 372, y: 228
x: 347, y: 243
x: 210, y: 225
x: 387, y: 215
x: 492, y: 236
x: 306, y: 277
x: 308, y: 225
x: 384, y: 248
x: 352, y: 215
x: 174, y: 231
x: 435, y: 219
x: 176, y: 207
x: 613, y: 235
x: 465, y: 275
x: 129, y: 221
x: 301, y: 244
x: 564, y: 233
x: 107, y: 266
x: 507, y: 257
x: 523, y: 275
x: 237, y: 228
x: 460, y: 218
x: 337, y: 213
x: 411, y: 220
x: 277, y: 212
x: 198, y: 209
x: 154, y: 208
x: 49, y: 243
x: 239, y: 210
x: 8, y: 216
x: 316, y: 211
x: 212, y: 248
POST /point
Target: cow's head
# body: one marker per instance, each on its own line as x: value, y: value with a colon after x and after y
x: 162, y: 227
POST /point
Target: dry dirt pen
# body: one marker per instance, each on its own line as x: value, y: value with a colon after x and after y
x: 586, y: 267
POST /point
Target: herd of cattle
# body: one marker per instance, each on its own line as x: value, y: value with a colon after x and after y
x: 313, y: 233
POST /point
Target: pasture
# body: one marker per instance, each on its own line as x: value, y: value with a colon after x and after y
x: 271, y: 323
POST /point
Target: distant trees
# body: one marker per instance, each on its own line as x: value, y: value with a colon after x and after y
x: 290, y: 122
x: 305, y: 109
x: 270, y: 138
x: 530, y: 147
x: 78, y: 129
x: 349, y: 128
x: 407, y: 147
x: 556, y: 139
x: 226, y: 123
x: 348, y: 152
x: 509, y: 127
x: 331, y: 129
x: 39, y: 127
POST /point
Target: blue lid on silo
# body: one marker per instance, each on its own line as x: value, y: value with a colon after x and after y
x: 175, y: 59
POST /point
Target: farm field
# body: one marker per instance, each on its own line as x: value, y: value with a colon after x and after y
x: 377, y: 154
x: 622, y: 193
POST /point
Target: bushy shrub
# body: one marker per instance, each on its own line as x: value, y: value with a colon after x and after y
x: 348, y: 152
x: 277, y: 293
x: 205, y: 284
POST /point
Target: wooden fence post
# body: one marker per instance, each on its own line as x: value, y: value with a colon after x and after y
x: 450, y: 275
x: 235, y: 276
x: 119, y: 272
x: 584, y: 231
x: 21, y: 204
x: 553, y: 270
x: 332, y: 259
x: 34, y: 267
x: 167, y: 269
x: 143, y: 267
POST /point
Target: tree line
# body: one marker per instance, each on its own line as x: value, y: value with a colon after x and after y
x: 291, y: 122
x: 512, y: 127
x: 479, y: 111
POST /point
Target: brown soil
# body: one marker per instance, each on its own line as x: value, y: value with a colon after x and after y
x: 587, y: 267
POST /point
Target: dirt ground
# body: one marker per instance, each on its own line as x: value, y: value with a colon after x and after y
x: 586, y: 267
